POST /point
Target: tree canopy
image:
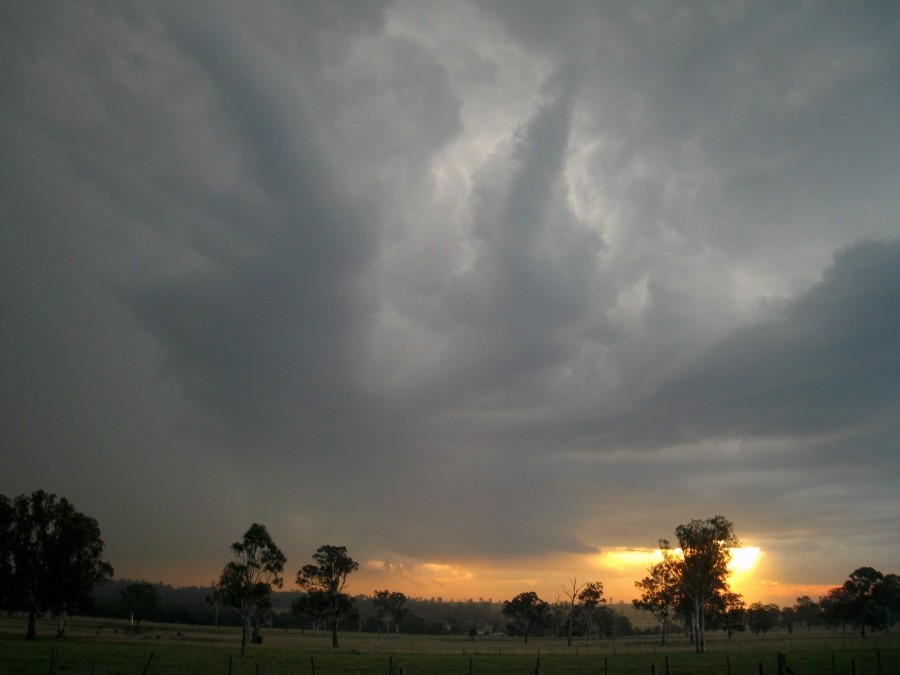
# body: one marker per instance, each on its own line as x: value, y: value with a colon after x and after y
x: 706, y: 551
x: 528, y: 613
x: 50, y: 556
x: 328, y: 576
x: 246, y: 582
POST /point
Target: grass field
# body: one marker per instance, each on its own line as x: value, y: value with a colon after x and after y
x: 106, y: 647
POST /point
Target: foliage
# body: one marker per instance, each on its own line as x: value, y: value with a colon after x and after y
x: 140, y: 600
x: 328, y: 576
x: 660, y: 590
x: 706, y: 551
x: 730, y: 614
x: 808, y: 612
x: 762, y: 618
x: 50, y: 556
x: 528, y: 613
x: 246, y: 582
x: 390, y: 603
x: 590, y: 600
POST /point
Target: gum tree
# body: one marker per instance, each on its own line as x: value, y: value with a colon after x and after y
x: 660, y: 590
x: 328, y: 577
x: 50, y: 557
x: 703, y: 573
x: 528, y: 612
x: 246, y: 582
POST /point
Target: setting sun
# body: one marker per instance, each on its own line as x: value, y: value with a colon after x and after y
x: 743, y: 560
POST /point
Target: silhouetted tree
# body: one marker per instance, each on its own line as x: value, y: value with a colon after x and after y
x: 590, y: 599
x: 762, y: 618
x: 528, y: 613
x: 50, y: 557
x: 808, y: 612
x: 706, y: 548
x: 390, y: 603
x: 836, y: 608
x: 731, y: 614
x: 329, y: 575
x: 215, y: 598
x: 571, y: 592
x: 789, y: 618
x: 887, y: 596
x: 860, y: 594
x: 660, y: 590
x: 140, y: 600
x: 246, y: 582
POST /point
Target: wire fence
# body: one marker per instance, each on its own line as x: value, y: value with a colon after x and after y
x: 848, y: 662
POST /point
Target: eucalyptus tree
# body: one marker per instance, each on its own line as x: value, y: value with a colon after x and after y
x: 808, y: 612
x: 328, y: 576
x: 390, y: 603
x: 50, y: 557
x: 528, y: 613
x: 862, y: 597
x: 590, y: 600
x: 246, y: 582
x: 761, y: 618
x: 140, y: 600
x: 706, y: 551
x: 660, y: 589
x: 571, y: 592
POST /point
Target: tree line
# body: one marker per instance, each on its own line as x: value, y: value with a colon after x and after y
x: 51, y: 561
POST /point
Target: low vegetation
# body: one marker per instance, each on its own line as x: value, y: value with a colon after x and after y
x: 111, y: 647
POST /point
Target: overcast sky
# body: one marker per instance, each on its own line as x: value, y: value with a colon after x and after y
x: 490, y: 293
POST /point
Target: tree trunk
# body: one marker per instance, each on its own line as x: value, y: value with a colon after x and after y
x: 245, y: 631
x: 31, y: 631
x: 702, y: 633
x: 695, y: 620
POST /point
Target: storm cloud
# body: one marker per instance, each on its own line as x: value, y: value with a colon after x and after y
x: 476, y: 284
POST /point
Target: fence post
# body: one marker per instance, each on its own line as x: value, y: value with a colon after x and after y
x: 878, y: 658
x: 728, y: 664
x: 230, y: 664
x: 652, y: 669
x: 668, y: 665
x: 312, y: 664
x: 537, y: 668
x: 54, y: 655
x: 762, y: 668
x: 853, y: 665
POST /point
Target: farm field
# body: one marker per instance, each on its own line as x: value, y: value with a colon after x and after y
x: 107, y: 647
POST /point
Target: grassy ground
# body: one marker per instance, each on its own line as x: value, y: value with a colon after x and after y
x: 104, y: 647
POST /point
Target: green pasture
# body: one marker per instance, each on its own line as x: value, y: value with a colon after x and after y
x: 107, y: 647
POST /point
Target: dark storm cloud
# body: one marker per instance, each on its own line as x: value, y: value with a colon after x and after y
x: 420, y: 277
x: 827, y: 361
x: 271, y: 327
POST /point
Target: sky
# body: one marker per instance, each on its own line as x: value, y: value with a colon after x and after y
x: 495, y: 294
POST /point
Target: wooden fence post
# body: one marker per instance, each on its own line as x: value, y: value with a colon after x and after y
x: 668, y: 665
x: 312, y: 664
x: 54, y: 655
